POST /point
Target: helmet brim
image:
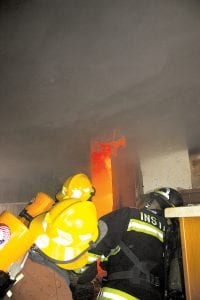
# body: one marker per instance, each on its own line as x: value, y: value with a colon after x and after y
x: 161, y: 200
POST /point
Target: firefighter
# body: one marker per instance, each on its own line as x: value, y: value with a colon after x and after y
x: 131, y: 248
x: 59, y: 238
x: 57, y: 234
x: 77, y: 187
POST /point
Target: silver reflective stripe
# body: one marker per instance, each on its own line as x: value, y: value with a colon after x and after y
x: 140, y: 226
x: 109, y: 293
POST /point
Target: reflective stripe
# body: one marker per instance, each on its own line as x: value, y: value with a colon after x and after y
x: 80, y: 270
x: 140, y: 226
x: 104, y: 258
x: 112, y: 252
x: 92, y: 257
x: 109, y: 293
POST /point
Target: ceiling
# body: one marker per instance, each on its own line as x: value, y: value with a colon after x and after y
x: 76, y: 71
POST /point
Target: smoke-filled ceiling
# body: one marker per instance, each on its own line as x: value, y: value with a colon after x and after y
x: 76, y: 71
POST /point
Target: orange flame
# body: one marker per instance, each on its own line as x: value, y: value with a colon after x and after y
x: 101, y: 173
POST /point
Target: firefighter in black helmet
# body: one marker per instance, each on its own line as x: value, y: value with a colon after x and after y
x: 167, y: 197
x: 131, y: 248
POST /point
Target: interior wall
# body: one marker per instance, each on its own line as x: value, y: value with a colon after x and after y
x: 195, y: 169
x: 192, y: 196
x: 165, y: 165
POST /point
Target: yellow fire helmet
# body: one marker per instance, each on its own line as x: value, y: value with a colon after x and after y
x: 66, y: 232
x: 77, y: 187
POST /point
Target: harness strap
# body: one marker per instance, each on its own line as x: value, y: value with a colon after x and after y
x: 135, y: 278
x: 24, y: 214
x: 139, y: 273
x: 144, y: 267
x: 125, y: 275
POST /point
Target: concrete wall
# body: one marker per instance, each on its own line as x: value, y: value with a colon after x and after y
x: 195, y: 169
x: 165, y: 165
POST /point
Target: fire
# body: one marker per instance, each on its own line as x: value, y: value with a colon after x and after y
x: 101, y: 173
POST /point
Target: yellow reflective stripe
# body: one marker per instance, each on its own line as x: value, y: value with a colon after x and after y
x: 92, y: 257
x: 140, y: 226
x: 109, y: 293
x: 112, y: 252
x: 104, y: 258
x: 81, y: 270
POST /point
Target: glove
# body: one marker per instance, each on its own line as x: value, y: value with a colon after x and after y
x: 85, y: 286
x: 82, y: 291
x: 86, y: 291
x: 5, y: 283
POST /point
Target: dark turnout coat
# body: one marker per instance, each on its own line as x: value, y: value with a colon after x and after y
x: 132, y: 253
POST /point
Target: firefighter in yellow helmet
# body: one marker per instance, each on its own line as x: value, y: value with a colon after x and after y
x: 77, y: 186
x: 64, y: 235
x: 59, y: 234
